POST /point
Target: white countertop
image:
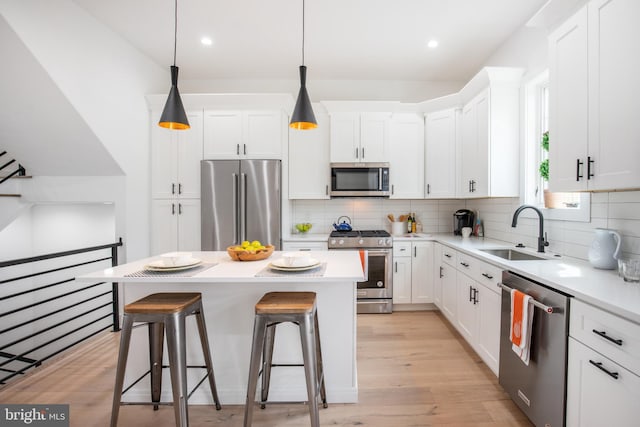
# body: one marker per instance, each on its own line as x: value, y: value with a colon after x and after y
x: 575, y: 277
x: 307, y: 237
x: 341, y: 266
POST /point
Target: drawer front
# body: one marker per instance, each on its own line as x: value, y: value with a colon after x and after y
x: 488, y: 275
x: 466, y: 263
x: 449, y: 256
x: 304, y: 246
x: 613, y: 337
x: 401, y: 249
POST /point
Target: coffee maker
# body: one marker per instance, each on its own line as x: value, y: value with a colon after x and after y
x: 462, y: 218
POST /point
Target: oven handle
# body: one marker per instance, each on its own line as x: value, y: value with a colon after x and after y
x: 538, y: 304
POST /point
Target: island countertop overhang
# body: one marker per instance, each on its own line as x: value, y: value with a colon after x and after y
x: 340, y: 266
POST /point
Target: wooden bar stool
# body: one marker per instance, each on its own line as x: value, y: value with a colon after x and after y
x: 160, y: 311
x: 272, y: 309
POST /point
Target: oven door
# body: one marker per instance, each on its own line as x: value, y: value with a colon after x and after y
x: 379, y: 277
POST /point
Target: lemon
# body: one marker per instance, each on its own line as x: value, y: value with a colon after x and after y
x: 246, y: 244
x: 256, y: 243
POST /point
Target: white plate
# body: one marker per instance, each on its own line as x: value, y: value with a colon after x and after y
x: 308, y: 267
x: 150, y: 267
x: 162, y: 264
x: 282, y: 263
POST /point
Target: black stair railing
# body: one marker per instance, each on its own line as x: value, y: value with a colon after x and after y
x: 18, y: 172
x: 44, y: 311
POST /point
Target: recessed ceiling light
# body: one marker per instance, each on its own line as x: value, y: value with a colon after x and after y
x: 206, y: 41
x: 432, y: 44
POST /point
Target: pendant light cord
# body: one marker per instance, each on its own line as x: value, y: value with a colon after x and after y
x: 302, y: 32
x: 175, y: 32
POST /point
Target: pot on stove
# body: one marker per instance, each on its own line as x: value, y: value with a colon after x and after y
x: 344, y: 225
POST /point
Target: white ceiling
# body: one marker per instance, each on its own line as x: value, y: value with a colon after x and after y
x: 344, y: 40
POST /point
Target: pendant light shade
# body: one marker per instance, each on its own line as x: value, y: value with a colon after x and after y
x: 303, y: 117
x: 173, y: 116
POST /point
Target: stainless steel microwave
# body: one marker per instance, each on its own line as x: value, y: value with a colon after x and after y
x: 359, y: 180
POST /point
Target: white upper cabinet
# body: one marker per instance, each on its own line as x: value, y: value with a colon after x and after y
x: 489, y: 149
x: 309, y: 170
x: 440, y: 154
x: 245, y: 134
x: 406, y: 157
x: 175, y: 159
x: 359, y: 137
x: 594, y: 135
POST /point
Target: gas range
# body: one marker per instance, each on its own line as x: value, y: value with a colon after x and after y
x: 365, y: 239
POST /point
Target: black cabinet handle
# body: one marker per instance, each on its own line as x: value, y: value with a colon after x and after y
x: 428, y: 188
x: 357, y: 152
x: 598, y: 365
x: 238, y: 149
x: 578, y: 164
x: 470, y: 294
x: 475, y: 296
x: 604, y: 335
x: 464, y: 264
x: 590, y: 161
x: 180, y: 188
x: 396, y: 263
x: 393, y: 189
x: 173, y: 208
x: 179, y: 208
x: 441, y: 276
x: 488, y: 276
x: 447, y: 255
x: 244, y: 148
x: 173, y: 188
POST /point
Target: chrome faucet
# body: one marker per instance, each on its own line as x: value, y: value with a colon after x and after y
x: 542, y: 238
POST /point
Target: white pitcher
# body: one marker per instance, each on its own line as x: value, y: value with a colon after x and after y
x: 604, y: 249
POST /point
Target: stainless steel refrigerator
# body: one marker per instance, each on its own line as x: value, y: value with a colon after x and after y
x: 241, y: 200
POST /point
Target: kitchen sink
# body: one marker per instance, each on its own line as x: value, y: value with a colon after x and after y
x: 513, y: 255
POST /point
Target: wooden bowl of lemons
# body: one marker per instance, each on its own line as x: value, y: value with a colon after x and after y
x: 250, y: 251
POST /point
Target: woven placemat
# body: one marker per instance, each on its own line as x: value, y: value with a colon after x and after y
x: 314, y: 272
x: 180, y: 273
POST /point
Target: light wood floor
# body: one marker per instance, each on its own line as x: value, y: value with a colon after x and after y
x: 413, y: 370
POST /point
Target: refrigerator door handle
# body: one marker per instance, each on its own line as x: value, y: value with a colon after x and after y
x: 243, y: 207
x: 236, y: 229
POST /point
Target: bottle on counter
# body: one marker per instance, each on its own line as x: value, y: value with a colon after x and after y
x: 414, y: 226
x: 409, y: 223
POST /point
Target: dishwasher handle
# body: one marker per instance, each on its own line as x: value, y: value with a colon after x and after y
x: 538, y: 304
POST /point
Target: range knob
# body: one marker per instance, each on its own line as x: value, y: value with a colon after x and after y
x: 381, y: 242
x: 361, y: 241
x: 389, y: 242
x: 333, y: 241
x: 341, y: 242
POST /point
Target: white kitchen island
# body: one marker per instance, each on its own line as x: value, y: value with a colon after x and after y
x: 230, y: 290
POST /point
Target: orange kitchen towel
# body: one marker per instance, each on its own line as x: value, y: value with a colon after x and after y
x: 521, y: 323
x: 364, y: 260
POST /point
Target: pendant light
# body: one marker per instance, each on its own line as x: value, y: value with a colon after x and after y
x: 303, y: 117
x: 173, y: 115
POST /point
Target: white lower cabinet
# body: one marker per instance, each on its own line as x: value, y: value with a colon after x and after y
x: 471, y: 300
x: 603, y: 371
x: 599, y: 391
x: 413, y: 272
x: 175, y: 225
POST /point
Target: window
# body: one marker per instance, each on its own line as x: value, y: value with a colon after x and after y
x: 562, y: 206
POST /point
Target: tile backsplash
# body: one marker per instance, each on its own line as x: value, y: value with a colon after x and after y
x: 436, y: 216
x: 616, y: 210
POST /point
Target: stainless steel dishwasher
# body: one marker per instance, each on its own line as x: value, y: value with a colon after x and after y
x: 538, y: 389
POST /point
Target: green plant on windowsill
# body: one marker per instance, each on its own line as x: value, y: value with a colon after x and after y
x: 544, y: 165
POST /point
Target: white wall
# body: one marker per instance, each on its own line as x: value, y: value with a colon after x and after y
x: 105, y: 79
x: 331, y: 90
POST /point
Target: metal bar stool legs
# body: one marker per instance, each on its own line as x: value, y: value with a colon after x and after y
x: 165, y: 312
x: 275, y: 308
